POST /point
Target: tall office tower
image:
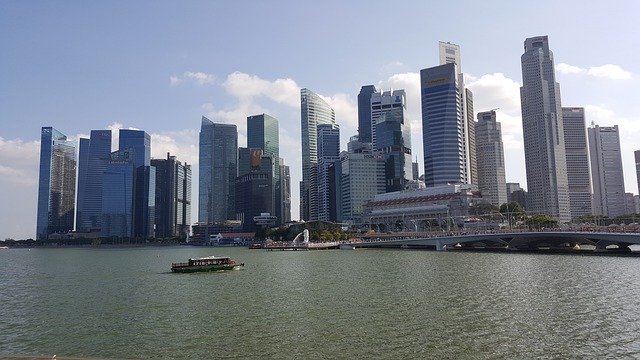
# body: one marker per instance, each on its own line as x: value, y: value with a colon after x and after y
x: 218, y: 171
x: 313, y: 112
x: 575, y: 145
x: 139, y: 144
x: 328, y: 153
x: 118, y: 196
x: 262, y: 133
x: 450, y: 54
x: 391, y: 135
x: 95, y: 154
x: 254, y: 189
x: 606, y: 171
x: 364, y: 112
x: 362, y: 177
x: 442, y: 126
x: 491, y: 179
x: 543, y: 131
x: 172, y: 197
x: 415, y: 170
x: 285, y: 192
x: 636, y: 155
x: 57, y: 184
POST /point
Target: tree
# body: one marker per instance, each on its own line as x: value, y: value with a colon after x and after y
x: 539, y: 221
x: 513, y: 211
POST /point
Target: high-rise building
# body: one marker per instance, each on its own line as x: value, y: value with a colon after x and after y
x: 263, y: 133
x: 218, y: 169
x: 450, y: 54
x: 118, y: 195
x: 606, y: 171
x: 172, y: 197
x: 328, y: 153
x: 313, y: 111
x: 416, y: 171
x: 491, y: 178
x: 95, y: 154
x: 362, y: 177
x: 543, y: 132
x: 442, y: 126
x: 636, y: 155
x: 254, y: 190
x: 516, y: 194
x: 392, y: 137
x: 138, y: 143
x: 56, y: 184
x: 578, y: 177
x: 629, y: 204
x: 285, y: 192
x: 364, y: 112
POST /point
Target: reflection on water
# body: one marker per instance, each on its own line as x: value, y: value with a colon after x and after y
x: 124, y: 303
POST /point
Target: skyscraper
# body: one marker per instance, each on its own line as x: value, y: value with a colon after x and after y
x: 543, y: 132
x: 285, y: 192
x: 313, y: 111
x: 364, y: 112
x: 450, y: 54
x: 328, y: 153
x: 138, y: 144
x: 254, y: 189
x: 118, y: 195
x: 578, y: 176
x: 442, y: 126
x: 56, y: 185
x: 95, y: 154
x: 263, y: 133
x: 218, y: 169
x: 491, y: 178
x: 606, y: 171
x: 172, y: 197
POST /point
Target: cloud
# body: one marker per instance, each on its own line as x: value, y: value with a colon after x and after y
x: 199, y: 78
x: 247, y: 87
x: 346, y: 110
x: 607, y: 71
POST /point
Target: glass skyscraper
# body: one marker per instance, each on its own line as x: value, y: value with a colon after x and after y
x: 491, y: 177
x: 578, y: 177
x: 391, y: 137
x: 364, y: 112
x: 328, y: 153
x: 313, y: 111
x: 263, y: 133
x: 57, y: 184
x: 543, y: 132
x: 442, y: 126
x: 606, y: 171
x: 172, y: 197
x: 218, y: 171
x: 95, y: 154
x: 118, y: 195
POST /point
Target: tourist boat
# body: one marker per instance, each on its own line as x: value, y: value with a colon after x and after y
x: 210, y: 263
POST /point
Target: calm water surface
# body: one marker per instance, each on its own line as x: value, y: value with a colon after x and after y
x: 124, y: 303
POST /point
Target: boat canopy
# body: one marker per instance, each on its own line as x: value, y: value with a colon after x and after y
x: 210, y: 258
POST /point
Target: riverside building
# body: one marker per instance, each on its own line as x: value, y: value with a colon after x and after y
x: 95, y: 154
x: 578, y: 176
x: 172, y: 197
x: 606, y: 171
x: 491, y: 178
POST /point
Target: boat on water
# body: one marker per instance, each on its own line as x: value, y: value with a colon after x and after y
x: 209, y: 263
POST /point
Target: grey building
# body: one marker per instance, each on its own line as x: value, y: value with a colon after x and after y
x: 391, y: 134
x: 636, y: 155
x: 285, y: 192
x: 364, y: 112
x: 543, y: 132
x: 313, y: 111
x: 491, y: 178
x: 629, y: 204
x: 95, y: 154
x: 362, y: 176
x: 516, y: 194
x: 606, y: 171
x: 414, y: 167
x: 218, y: 169
x: 578, y: 175
x: 172, y: 197
x: 56, y: 184
x: 450, y: 54
x: 254, y: 190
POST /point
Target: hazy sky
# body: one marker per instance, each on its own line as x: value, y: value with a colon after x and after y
x: 160, y: 65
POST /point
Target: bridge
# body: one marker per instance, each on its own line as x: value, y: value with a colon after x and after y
x: 523, y: 240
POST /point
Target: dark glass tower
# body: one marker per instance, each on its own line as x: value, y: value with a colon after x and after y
x: 218, y: 171
x: 57, y: 184
x: 118, y: 195
x: 328, y: 153
x: 254, y: 189
x: 173, y: 197
x: 364, y: 112
x: 95, y: 154
x: 263, y: 133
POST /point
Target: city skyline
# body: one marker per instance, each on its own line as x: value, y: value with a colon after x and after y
x: 593, y: 77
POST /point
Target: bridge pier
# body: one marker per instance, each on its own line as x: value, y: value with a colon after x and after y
x: 439, y: 246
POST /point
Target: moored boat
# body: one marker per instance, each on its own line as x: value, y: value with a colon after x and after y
x: 209, y: 263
